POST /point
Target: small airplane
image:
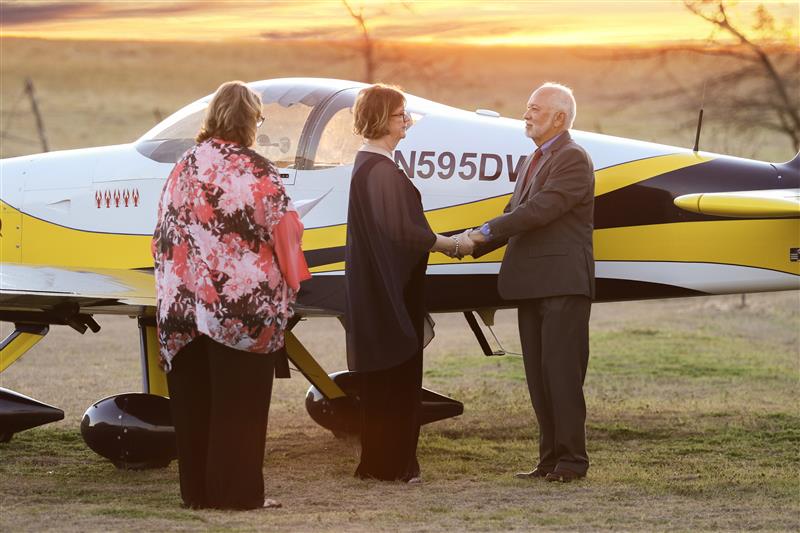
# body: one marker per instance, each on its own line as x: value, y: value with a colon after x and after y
x: 76, y: 225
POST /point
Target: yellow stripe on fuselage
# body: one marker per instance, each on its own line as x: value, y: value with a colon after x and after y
x: 755, y: 243
x: 751, y: 243
x: 332, y: 267
x: 620, y: 176
x: 45, y: 243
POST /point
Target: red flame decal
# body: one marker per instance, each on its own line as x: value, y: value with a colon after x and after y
x: 120, y: 197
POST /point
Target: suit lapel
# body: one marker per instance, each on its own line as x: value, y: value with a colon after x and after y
x: 539, y: 176
x: 536, y: 173
x: 523, y: 170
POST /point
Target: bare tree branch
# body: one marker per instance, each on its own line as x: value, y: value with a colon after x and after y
x: 721, y: 20
x: 367, y: 47
x: 389, y: 57
x: 721, y: 81
x: 754, y: 83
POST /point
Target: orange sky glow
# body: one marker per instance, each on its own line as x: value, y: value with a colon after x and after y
x: 510, y: 22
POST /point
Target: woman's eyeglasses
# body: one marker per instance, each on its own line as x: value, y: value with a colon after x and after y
x: 260, y: 120
x: 404, y: 115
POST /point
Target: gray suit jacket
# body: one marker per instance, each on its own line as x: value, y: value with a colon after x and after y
x: 548, y: 227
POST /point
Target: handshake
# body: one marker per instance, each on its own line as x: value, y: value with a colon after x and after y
x: 461, y: 245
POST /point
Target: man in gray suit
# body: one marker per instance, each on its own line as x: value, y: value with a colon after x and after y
x: 549, y: 268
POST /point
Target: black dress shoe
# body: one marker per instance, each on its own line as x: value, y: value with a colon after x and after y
x: 563, y: 475
x: 535, y: 473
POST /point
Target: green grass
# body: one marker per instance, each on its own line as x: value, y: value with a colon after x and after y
x: 658, y: 353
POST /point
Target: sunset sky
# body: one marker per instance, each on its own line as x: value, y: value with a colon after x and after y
x: 508, y: 22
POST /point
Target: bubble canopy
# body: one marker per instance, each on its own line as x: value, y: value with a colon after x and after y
x: 308, y: 124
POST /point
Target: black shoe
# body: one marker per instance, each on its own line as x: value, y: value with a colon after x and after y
x: 563, y: 475
x: 537, y: 472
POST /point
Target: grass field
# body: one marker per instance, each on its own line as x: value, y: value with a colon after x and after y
x: 693, y: 424
x: 100, y: 93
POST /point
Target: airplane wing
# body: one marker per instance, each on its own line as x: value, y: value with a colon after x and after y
x: 30, y: 290
x: 772, y: 203
x: 43, y: 293
x: 35, y: 296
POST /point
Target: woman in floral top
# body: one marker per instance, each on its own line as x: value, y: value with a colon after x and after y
x: 228, y: 266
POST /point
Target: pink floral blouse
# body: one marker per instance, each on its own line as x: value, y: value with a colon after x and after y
x: 214, y: 247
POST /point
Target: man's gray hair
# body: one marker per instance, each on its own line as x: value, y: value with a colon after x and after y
x: 563, y: 100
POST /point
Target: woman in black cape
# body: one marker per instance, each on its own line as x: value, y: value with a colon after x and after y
x: 388, y: 241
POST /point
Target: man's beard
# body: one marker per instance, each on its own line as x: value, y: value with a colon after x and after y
x: 529, y: 131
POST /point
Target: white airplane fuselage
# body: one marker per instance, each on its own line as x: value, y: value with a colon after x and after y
x: 96, y: 207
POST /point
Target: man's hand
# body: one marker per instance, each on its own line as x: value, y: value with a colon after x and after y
x: 477, y: 237
x: 465, y: 244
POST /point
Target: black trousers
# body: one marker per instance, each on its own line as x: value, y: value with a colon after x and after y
x: 554, y: 333
x: 219, y: 399
x: 391, y: 400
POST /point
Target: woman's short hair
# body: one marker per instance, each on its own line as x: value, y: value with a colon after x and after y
x: 373, y: 110
x: 232, y: 114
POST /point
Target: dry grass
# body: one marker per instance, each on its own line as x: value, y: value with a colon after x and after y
x: 693, y: 424
x: 95, y: 93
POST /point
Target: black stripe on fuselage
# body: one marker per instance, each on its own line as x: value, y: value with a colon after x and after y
x: 324, y: 256
x: 459, y: 292
x: 651, y: 201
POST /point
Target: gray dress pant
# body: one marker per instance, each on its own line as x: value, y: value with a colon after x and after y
x: 554, y: 333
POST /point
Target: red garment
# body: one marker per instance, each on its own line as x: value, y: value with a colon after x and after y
x: 214, y: 249
x: 287, y: 236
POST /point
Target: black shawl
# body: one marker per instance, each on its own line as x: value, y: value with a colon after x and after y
x: 388, y: 239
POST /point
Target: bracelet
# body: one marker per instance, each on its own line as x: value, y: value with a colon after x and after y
x: 458, y: 244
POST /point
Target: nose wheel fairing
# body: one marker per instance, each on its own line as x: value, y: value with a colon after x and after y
x: 341, y: 415
x: 19, y: 412
x: 133, y: 430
